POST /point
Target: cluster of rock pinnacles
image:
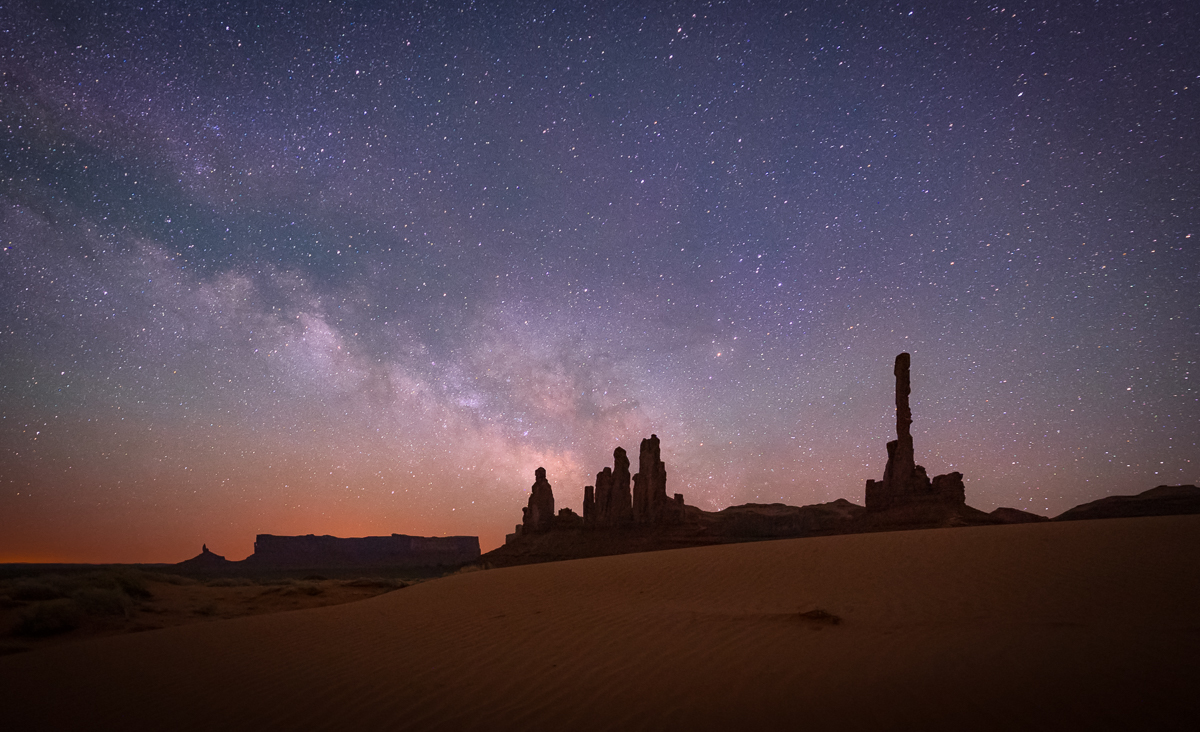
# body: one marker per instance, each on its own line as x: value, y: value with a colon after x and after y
x: 610, y: 503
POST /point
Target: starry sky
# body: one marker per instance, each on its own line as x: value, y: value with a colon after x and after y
x: 359, y: 268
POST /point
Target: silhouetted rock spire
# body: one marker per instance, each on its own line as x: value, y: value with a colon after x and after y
x: 620, y: 500
x: 589, y: 505
x: 650, y: 502
x: 904, y: 482
x: 539, y: 514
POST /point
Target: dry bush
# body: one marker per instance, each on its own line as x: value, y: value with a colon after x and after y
x: 131, y: 581
x: 49, y: 617
x: 303, y: 588
x: 46, y: 587
x: 103, y: 601
x: 376, y: 583
x: 230, y: 582
x: 170, y: 579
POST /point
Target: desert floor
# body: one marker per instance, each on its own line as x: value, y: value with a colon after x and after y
x: 54, y: 607
x: 1080, y: 625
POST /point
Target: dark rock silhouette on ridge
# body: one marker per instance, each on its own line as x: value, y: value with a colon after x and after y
x: 539, y: 514
x: 615, y: 521
x: 650, y: 502
x: 620, y: 500
x: 205, y: 560
x: 904, y: 482
x: 1164, y: 500
x: 316, y: 552
x: 589, y: 506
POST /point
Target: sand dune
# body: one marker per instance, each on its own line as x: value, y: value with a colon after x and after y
x: 1084, y: 625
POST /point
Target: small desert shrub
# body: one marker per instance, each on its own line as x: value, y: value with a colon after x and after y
x: 208, y: 608
x: 46, y: 587
x: 376, y: 582
x: 469, y: 568
x: 279, y: 582
x: 49, y: 618
x: 131, y: 582
x: 230, y: 582
x: 102, y: 601
x: 303, y: 588
x: 170, y: 579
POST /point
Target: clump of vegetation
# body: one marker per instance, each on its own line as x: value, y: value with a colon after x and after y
x: 208, y: 608
x: 54, y: 603
x: 818, y: 616
x: 285, y: 582
x: 50, y: 617
x: 46, y: 587
x: 103, y: 601
x: 376, y: 583
x: 132, y: 582
x: 230, y: 582
x: 170, y: 579
x: 303, y: 588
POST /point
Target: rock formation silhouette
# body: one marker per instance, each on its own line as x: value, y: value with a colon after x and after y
x: 613, y: 503
x: 1164, y: 500
x: 539, y: 514
x: 589, y: 505
x: 620, y: 500
x: 397, y: 550
x: 321, y: 552
x: 609, y: 504
x: 615, y: 521
x: 904, y: 482
x: 650, y: 502
x: 205, y: 560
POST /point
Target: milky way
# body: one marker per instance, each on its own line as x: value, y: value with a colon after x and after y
x: 359, y: 269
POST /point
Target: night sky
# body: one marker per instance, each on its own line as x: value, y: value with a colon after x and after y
x: 360, y: 268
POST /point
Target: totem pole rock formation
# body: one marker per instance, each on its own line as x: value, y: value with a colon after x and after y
x: 904, y: 482
x: 539, y: 514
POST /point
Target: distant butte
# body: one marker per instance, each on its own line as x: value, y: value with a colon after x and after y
x: 331, y: 552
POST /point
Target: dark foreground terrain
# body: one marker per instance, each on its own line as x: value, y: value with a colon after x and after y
x: 44, y: 605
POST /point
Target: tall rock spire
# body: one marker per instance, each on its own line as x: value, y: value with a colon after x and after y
x: 620, y: 501
x: 539, y: 514
x: 904, y: 482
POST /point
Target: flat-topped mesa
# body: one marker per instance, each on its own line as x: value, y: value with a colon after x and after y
x: 650, y: 502
x: 294, y: 552
x: 539, y: 514
x: 904, y: 482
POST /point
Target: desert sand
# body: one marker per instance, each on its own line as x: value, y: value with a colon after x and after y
x: 1080, y: 625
